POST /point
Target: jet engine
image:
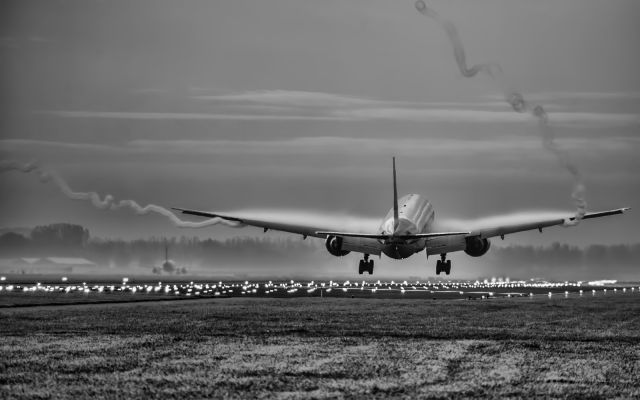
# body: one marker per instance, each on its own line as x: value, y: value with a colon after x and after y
x: 334, y: 246
x: 477, y: 247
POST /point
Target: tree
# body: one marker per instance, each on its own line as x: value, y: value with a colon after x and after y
x: 60, y: 236
x: 12, y: 243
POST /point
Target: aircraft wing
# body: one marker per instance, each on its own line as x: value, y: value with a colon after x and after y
x: 266, y: 224
x: 508, y: 228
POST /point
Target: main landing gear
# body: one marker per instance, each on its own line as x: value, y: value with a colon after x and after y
x: 365, y: 265
x: 443, y: 265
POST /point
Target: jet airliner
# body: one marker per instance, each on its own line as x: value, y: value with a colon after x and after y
x: 407, y: 229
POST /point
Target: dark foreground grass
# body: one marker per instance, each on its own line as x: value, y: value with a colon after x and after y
x: 318, y: 348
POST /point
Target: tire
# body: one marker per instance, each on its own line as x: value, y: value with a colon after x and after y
x: 438, y: 267
x: 361, y: 267
x: 370, y: 267
x: 448, y: 267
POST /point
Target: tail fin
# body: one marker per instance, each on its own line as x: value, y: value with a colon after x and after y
x: 395, y: 198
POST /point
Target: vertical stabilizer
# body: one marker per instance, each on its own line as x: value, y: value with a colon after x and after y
x: 395, y: 197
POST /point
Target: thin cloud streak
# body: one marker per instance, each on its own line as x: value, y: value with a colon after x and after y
x: 290, y: 99
x: 293, y: 98
x: 313, y: 145
x: 369, y: 114
x: 124, y: 115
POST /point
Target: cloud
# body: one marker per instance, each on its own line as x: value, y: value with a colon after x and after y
x: 182, y: 116
x: 290, y: 105
x: 293, y: 98
x: 11, y: 42
x: 483, y: 116
x: 585, y: 96
x: 424, y: 147
x: 370, y: 114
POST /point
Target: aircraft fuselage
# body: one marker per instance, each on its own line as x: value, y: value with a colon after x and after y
x: 415, y: 215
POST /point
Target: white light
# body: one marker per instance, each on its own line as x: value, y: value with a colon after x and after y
x: 125, y: 280
x: 64, y: 279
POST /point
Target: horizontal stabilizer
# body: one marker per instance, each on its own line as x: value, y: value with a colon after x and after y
x: 387, y: 236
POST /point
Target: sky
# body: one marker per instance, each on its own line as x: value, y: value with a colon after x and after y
x: 300, y: 105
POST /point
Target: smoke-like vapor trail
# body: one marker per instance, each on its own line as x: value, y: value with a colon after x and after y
x: 517, y: 102
x: 108, y: 202
x: 458, y: 48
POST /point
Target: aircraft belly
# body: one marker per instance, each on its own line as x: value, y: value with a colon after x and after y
x: 402, y: 250
x: 446, y: 244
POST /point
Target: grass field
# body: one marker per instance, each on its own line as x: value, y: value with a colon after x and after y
x: 577, y: 347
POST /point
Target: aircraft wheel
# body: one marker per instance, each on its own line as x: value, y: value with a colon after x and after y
x: 448, y: 267
x: 361, y: 267
x: 370, y: 267
x: 438, y: 267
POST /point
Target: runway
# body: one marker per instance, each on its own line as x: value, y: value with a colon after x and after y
x: 23, y: 294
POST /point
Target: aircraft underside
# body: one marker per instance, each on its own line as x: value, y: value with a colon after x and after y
x: 402, y: 251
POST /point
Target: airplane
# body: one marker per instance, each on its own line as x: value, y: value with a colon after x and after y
x: 407, y: 229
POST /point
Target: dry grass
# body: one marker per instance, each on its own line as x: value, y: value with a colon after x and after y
x: 324, y: 348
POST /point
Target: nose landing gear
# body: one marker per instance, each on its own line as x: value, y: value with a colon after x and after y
x: 443, y: 265
x: 365, y: 265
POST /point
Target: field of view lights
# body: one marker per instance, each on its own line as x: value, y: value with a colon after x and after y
x: 20, y: 292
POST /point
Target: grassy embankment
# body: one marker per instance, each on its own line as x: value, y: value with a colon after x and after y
x: 304, y: 347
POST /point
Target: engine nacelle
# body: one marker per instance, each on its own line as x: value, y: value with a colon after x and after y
x: 334, y: 246
x: 477, y: 247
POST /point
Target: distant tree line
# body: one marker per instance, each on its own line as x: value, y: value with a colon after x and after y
x: 68, y: 240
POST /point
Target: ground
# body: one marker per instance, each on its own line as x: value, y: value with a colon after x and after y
x: 575, y: 347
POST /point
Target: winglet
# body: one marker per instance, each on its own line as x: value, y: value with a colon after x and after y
x: 395, y: 198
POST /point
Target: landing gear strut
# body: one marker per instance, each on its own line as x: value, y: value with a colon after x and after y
x: 365, y: 265
x: 443, y: 265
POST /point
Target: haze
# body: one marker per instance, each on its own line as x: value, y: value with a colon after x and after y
x: 299, y: 105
